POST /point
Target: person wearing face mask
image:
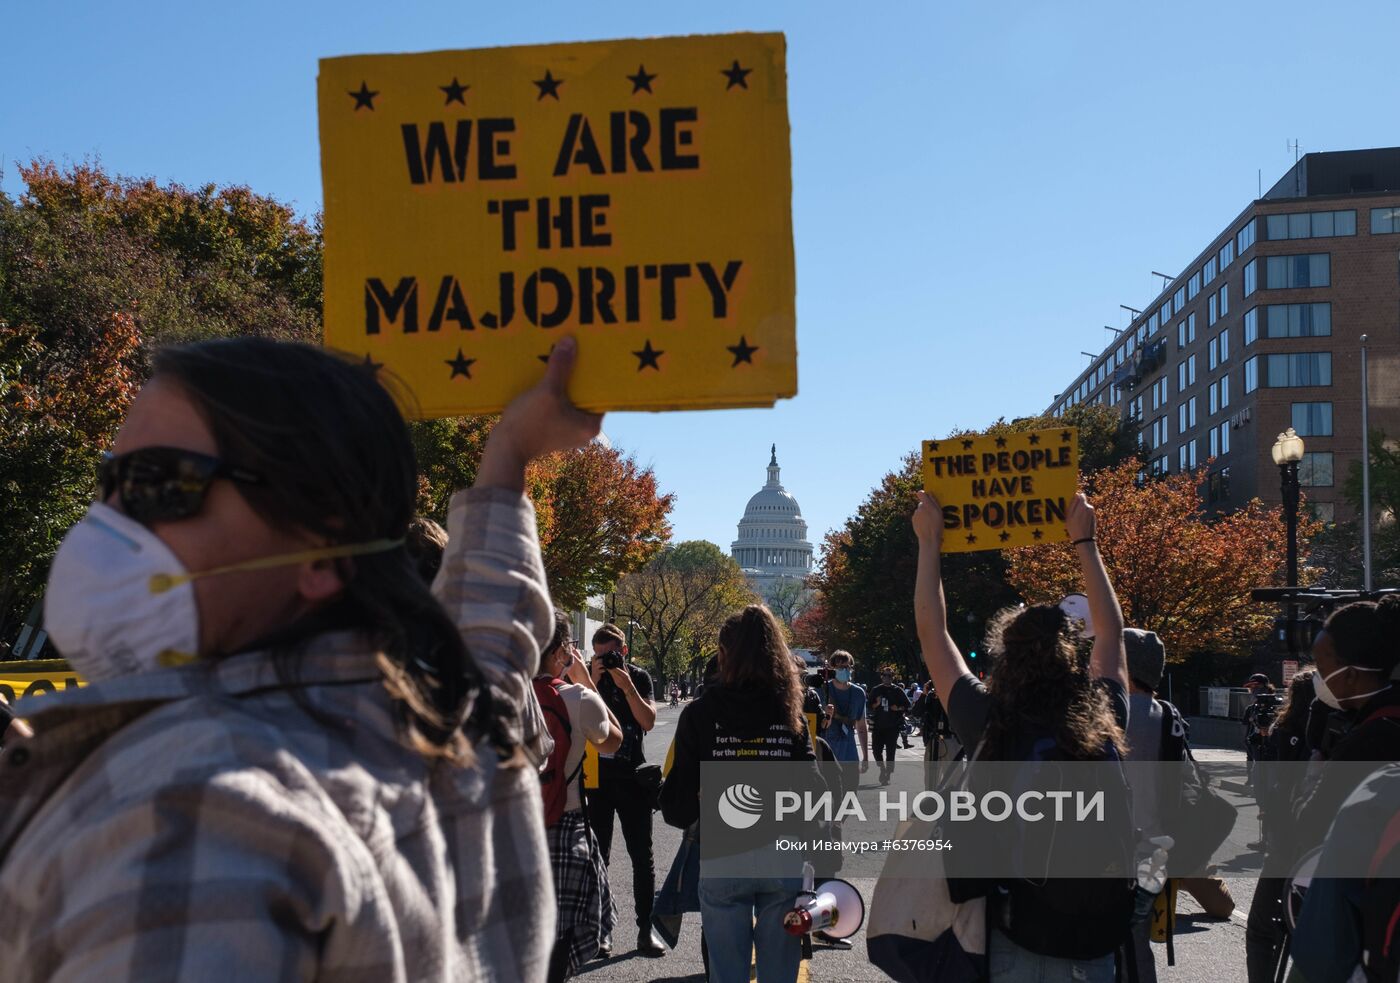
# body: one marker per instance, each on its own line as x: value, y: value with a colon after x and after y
x: 1356, y: 652
x: 295, y: 760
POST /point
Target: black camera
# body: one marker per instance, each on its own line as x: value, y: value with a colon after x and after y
x: 611, y: 660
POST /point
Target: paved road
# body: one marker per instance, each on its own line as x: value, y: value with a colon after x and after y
x: 1208, y: 950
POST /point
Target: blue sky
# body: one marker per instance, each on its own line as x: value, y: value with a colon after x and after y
x: 976, y: 187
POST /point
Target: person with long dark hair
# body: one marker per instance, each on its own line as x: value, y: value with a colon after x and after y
x: 294, y: 760
x: 1040, y: 702
x: 753, y: 711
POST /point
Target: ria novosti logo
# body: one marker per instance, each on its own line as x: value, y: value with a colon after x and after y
x: 741, y: 806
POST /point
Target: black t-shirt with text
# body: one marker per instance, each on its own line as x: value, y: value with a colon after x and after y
x: 886, y: 705
x: 632, y: 751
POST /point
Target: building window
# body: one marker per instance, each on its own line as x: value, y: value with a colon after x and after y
x: 1325, y: 512
x: 1218, y: 486
x: 1181, y: 426
x: 1315, y: 470
x: 1310, y: 225
x: 1224, y: 430
x: 1164, y: 314
x: 1297, y: 320
x: 1307, y: 270
x: 1224, y: 385
x: 1288, y: 370
x: 1214, y: 314
x: 1181, y: 457
x: 1214, y: 443
x: 1181, y: 335
x: 1191, y: 417
x: 1227, y: 254
x: 1385, y: 220
x: 1245, y: 238
x: 1181, y: 377
x: 1193, y: 286
x: 1208, y: 272
x: 1179, y: 299
x: 1191, y: 370
x: 1251, y: 277
x: 1312, y: 419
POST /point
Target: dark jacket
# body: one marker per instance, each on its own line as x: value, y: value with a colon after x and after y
x: 1374, y: 736
x: 722, y: 725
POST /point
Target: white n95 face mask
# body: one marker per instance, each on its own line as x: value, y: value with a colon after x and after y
x: 104, y: 607
x: 119, y: 601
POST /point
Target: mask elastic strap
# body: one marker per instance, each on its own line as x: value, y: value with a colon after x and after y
x: 162, y: 582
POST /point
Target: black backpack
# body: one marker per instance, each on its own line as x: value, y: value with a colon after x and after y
x: 1078, y: 917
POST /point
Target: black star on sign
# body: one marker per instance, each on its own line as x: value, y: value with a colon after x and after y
x: 460, y: 365
x: 364, y: 99
x: 545, y: 357
x: 1036, y: 533
x: 648, y: 356
x: 933, y: 445
x: 455, y: 92
x: 371, y: 364
x: 641, y: 82
x: 736, y: 76
x: 1035, y: 438
x: 971, y: 538
x: 1064, y: 436
x: 967, y: 445
x: 1001, y: 441
x: 549, y: 86
x: 1004, y: 536
x: 743, y: 351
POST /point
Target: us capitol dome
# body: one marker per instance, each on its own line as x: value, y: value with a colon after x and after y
x: 772, y: 541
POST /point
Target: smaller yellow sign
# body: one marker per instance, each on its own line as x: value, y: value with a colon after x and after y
x: 1005, y: 490
x: 35, y: 676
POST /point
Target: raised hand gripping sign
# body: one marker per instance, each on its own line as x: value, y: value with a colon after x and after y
x: 1004, y: 490
x: 479, y: 205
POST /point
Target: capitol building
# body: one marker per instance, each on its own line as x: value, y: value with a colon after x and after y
x: 772, y: 543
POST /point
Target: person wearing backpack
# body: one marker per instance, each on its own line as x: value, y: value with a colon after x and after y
x: 1168, y: 801
x: 1040, y: 705
x: 575, y: 715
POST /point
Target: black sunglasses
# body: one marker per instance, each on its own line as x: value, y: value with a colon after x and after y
x: 162, y: 484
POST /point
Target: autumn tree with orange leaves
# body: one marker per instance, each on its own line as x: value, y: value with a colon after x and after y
x: 1176, y: 572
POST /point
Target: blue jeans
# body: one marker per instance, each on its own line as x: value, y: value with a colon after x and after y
x: 1010, y: 963
x: 740, y: 915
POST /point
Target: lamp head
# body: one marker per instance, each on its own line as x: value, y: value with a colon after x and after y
x: 1288, y: 449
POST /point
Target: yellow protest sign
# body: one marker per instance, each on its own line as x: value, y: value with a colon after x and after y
x: 479, y: 205
x: 35, y: 676
x: 1004, y: 490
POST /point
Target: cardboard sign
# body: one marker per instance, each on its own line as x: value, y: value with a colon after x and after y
x: 479, y: 205
x: 1005, y: 491
x: 33, y: 677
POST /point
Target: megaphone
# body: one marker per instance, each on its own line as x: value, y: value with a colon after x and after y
x: 834, y: 907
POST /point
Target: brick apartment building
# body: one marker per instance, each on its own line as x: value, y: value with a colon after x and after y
x: 1261, y: 331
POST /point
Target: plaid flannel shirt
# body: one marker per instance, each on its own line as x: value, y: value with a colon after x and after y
x: 199, y: 823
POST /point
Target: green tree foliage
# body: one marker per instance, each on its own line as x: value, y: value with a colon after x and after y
x: 1338, y: 547
x: 679, y: 600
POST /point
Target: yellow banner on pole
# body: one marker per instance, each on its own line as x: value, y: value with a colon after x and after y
x: 1004, y: 490
x: 479, y: 205
x: 34, y: 676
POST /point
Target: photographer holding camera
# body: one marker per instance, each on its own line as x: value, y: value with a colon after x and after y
x: 1259, y: 715
x: 623, y: 786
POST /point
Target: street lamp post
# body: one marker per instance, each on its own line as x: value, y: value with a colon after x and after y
x: 1287, y: 452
